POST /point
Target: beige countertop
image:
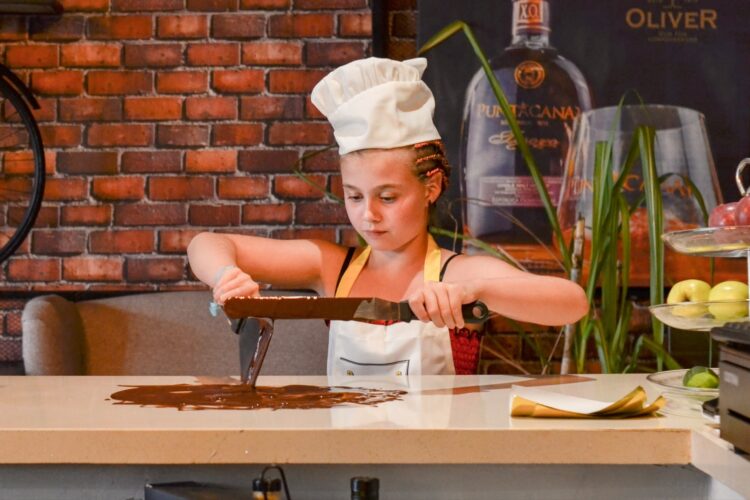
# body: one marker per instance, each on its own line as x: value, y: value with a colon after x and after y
x: 71, y: 420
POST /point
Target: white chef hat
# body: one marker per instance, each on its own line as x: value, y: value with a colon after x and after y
x: 377, y: 103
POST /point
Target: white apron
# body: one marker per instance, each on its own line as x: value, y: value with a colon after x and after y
x: 364, y: 349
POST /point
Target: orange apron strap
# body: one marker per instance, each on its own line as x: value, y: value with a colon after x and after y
x: 351, y: 273
x: 432, y: 261
x: 431, y: 267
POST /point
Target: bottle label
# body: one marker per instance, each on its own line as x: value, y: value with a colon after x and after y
x: 529, y: 14
x: 511, y: 191
x: 529, y: 11
x: 525, y: 113
x: 529, y: 74
x: 508, y: 141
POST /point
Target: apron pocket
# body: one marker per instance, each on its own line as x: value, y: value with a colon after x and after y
x: 355, y: 368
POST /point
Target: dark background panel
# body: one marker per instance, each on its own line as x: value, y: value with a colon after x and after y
x: 707, y: 70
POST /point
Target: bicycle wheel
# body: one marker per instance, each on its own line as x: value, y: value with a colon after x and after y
x: 21, y: 164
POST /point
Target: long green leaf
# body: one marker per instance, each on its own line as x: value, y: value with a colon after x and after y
x: 609, y: 282
x: 522, y: 145
x: 657, y: 348
x: 494, y: 251
x: 633, y: 154
x: 587, y: 325
x: 625, y: 239
x: 297, y: 170
x: 635, y: 353
x: 646, y: 137
x: 602, y: 346
x: 622, y: 317
x: 441, y: 36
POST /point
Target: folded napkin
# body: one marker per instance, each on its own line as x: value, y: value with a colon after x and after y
x: 534, y: 402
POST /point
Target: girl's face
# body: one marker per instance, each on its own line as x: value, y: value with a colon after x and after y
x: 385, y: 201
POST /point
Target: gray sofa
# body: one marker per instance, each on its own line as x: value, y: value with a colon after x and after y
x: 164, y: 333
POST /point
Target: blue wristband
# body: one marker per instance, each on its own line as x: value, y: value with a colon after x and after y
x: 213, y: 307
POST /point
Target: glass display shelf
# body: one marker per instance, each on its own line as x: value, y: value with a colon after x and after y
x: 722, y: 241
x: 681, y: 400
x: 701, y: 316
x: 727, y: 241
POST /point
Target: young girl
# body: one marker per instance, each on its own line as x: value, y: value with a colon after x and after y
x: 393, y: 170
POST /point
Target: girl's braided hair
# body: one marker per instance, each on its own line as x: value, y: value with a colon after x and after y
x: 431, y: 159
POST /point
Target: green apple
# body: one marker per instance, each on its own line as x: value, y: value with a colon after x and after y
x: 689, y: 291
x: 729, y: 291
x: 701, y: 377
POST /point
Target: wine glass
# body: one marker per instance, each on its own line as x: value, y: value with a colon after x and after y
x: 681, y: 148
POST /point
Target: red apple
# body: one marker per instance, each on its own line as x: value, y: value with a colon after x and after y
x: 723, y: 215
x: 742, y: 212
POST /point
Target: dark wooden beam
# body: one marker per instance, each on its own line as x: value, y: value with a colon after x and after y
x: 31, y: 7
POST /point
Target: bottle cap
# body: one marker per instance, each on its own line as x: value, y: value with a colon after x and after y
x: 368, y: 486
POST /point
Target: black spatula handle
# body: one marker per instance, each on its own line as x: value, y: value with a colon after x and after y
x: 473, y: 311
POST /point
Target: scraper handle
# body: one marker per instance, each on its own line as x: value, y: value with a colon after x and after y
x: 475, y: 311
x: 472, y: 312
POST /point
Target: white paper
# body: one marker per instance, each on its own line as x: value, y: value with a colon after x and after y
x: 559, y: 401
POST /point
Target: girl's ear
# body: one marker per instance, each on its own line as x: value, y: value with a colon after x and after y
x: 434, y: 186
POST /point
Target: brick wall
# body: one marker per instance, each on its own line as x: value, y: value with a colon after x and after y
x: 163, y: 118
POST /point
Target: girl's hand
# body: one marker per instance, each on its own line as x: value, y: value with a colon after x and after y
x: 441, y: 303
x: 233, y: 282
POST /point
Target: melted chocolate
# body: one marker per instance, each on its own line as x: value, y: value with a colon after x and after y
x: 245, y: 397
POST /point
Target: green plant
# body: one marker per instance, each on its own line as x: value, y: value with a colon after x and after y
x: 608, y: 282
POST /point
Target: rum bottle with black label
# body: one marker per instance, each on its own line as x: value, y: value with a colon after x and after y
x: 546, y: 93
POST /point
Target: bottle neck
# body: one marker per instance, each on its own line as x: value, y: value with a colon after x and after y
x: 530, y: 23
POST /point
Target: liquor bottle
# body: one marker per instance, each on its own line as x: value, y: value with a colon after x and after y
x: 546, y: 93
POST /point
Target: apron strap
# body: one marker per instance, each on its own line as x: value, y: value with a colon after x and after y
x: 351, y: 273
x: 431, y: 267
x: 432, y: 261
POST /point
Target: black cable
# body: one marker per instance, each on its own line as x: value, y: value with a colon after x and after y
x: 283, y: 480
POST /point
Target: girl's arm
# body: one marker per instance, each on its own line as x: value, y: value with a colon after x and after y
x: 294, y: 264
x: 544, y: 300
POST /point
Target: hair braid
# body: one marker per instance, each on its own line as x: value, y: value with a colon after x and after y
x: 430, y: 159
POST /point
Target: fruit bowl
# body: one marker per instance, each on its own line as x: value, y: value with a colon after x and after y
x: 681, y: 400
x: 727, y: 241
x: 702, y: 316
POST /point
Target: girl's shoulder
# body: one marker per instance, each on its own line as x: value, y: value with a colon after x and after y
x: 334, y: 260
x: 462, y: 266
x: 332, y: 255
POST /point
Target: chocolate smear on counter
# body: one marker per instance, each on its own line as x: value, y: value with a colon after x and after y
x: 245, y: 397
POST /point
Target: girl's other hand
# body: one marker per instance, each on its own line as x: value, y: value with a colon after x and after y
x: 441, y: 303
x: 233, y: 282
